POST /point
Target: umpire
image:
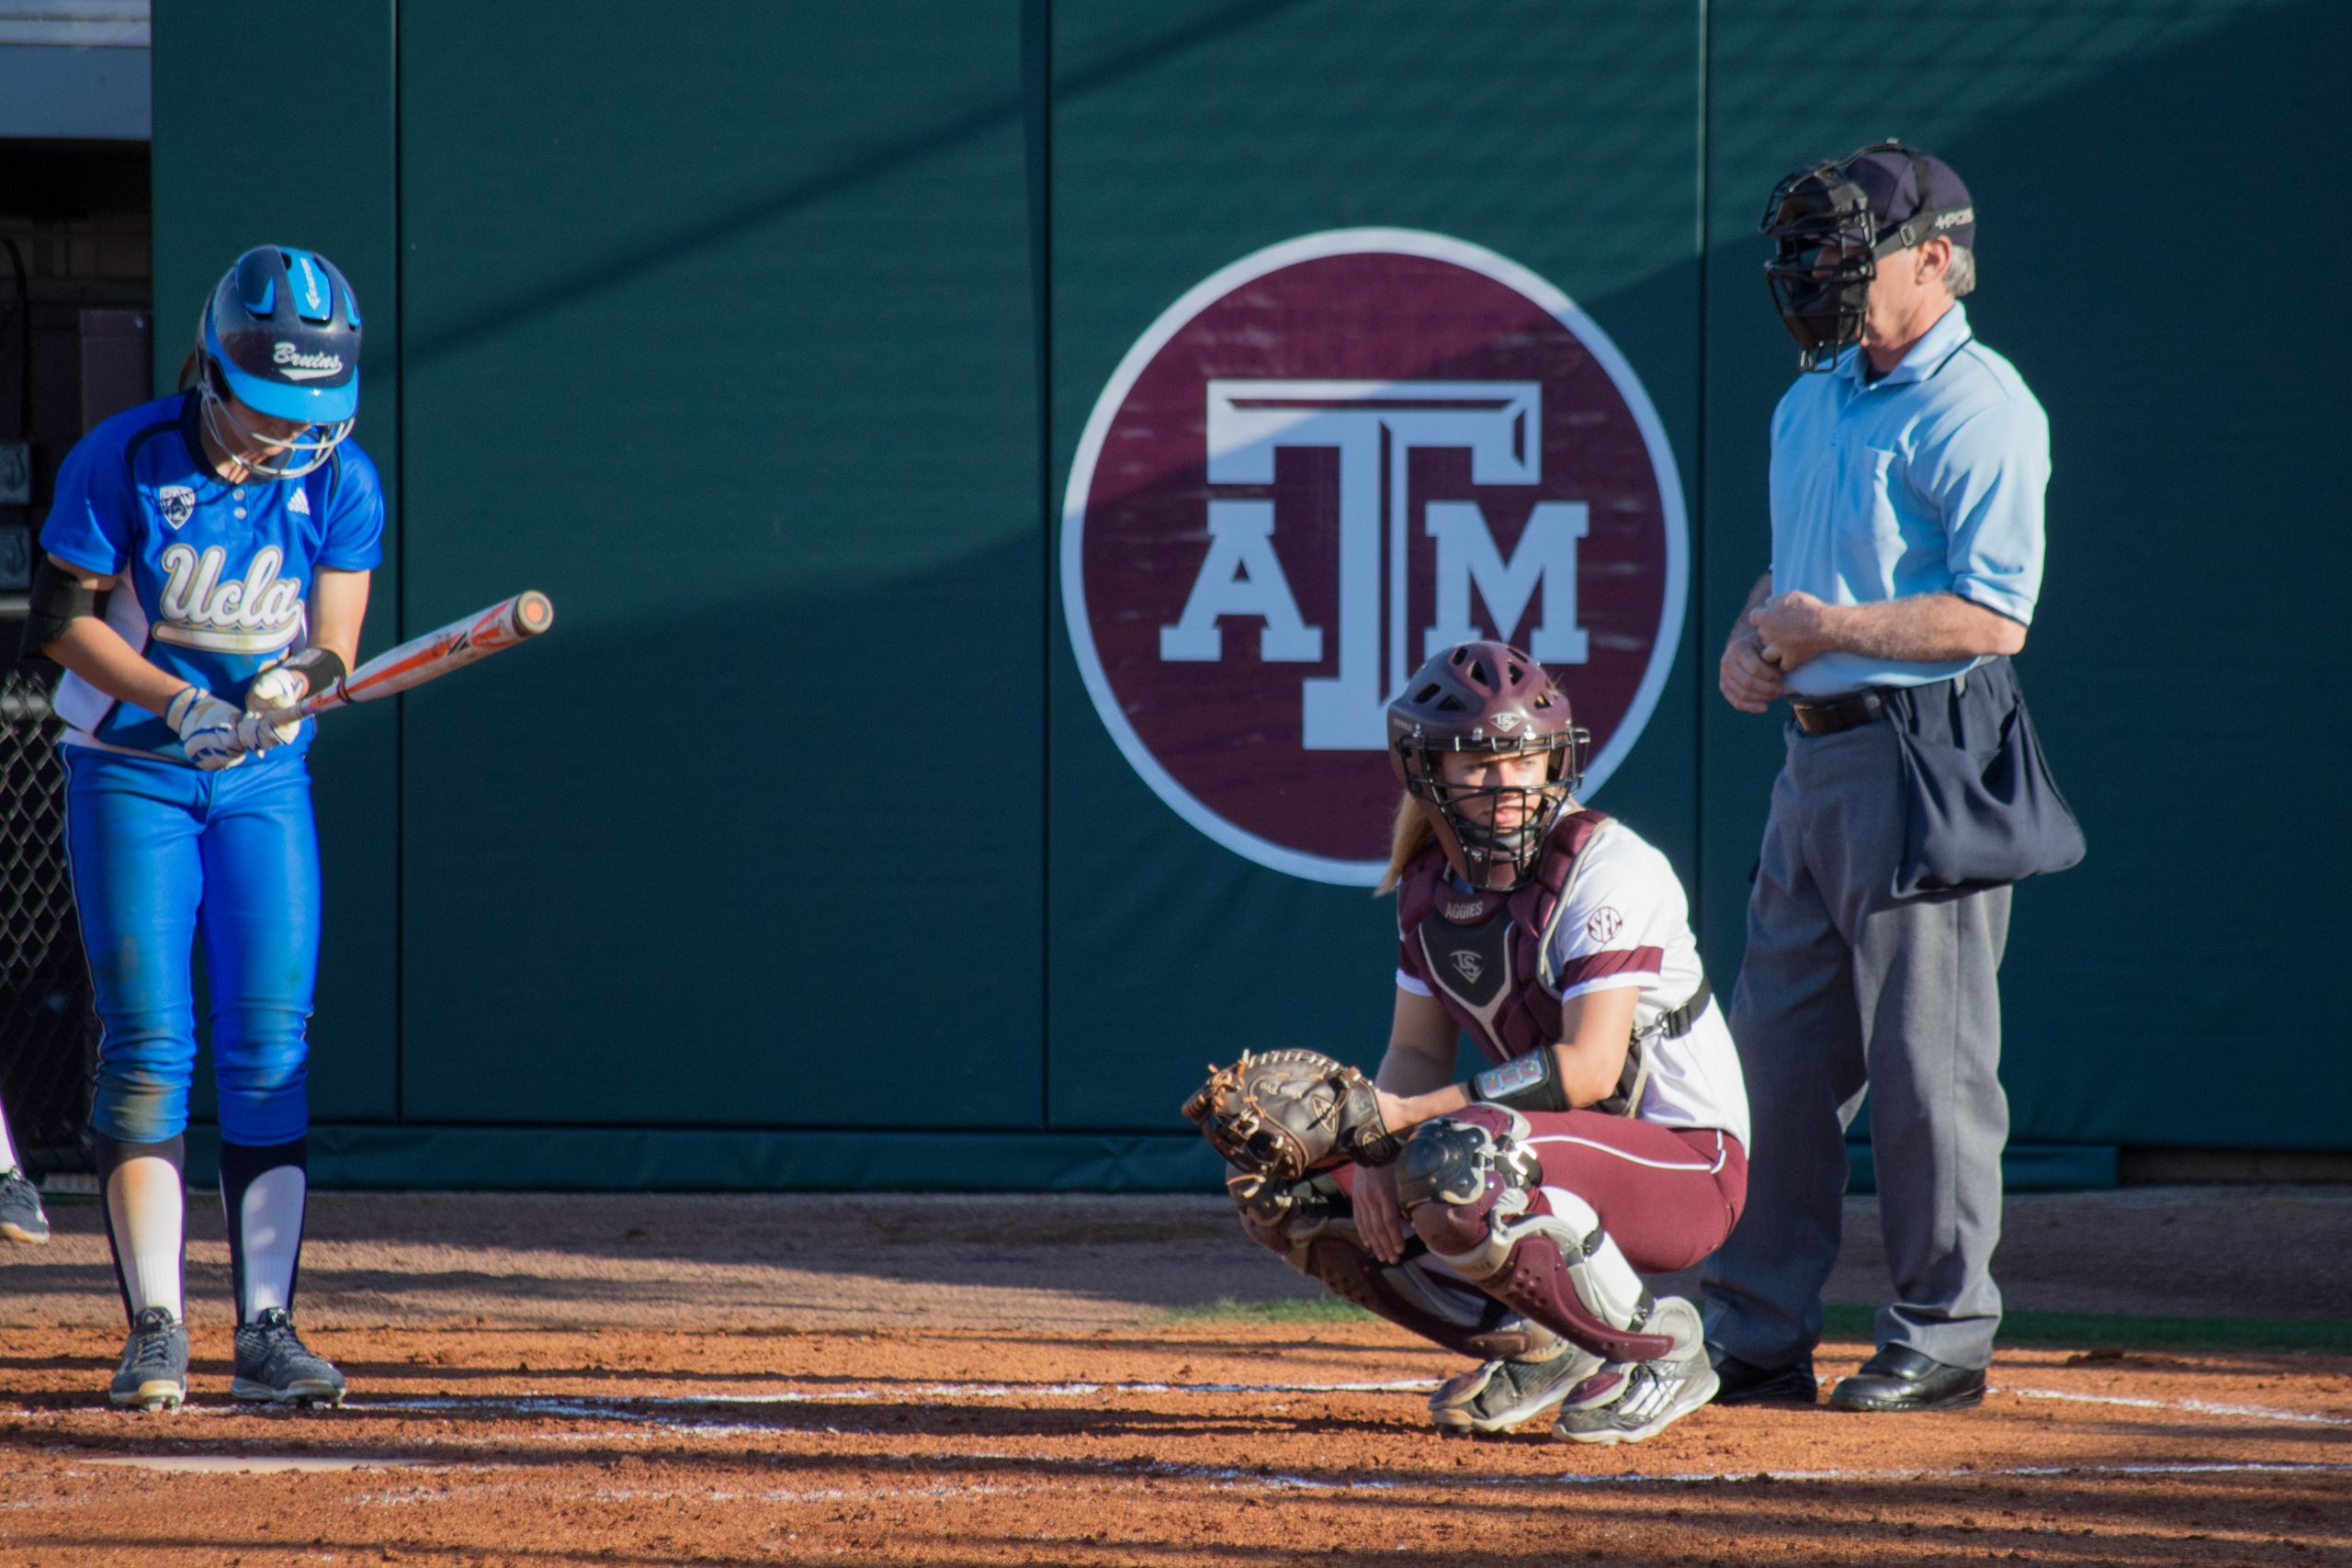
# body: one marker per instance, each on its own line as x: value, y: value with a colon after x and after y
x: 1907, y: 500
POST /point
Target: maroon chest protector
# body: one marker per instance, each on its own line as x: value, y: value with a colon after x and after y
x: 1483, y: 952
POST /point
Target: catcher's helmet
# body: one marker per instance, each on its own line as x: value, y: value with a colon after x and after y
x: 281, y: 333
x: 1484, y: 697
x: 1849, y: 207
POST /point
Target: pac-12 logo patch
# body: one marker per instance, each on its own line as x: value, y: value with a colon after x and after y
x: 1322, y: 464
x: 177, y: 503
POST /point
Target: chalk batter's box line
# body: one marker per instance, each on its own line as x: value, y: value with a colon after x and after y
x: 648, y: 1410
x: 642, y: 1407
x: 1252, y: 1481
x: 1228, y: 1479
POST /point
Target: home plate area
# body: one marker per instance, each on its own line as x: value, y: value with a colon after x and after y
x: 1090, y: 1424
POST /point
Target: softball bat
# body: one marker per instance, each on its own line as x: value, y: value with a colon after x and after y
x: 436, y: 653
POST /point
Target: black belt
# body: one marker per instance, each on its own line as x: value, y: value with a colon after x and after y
x: 1830, y: 717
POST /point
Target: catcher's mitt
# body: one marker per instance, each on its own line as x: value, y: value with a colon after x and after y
x: 1282, y: 1113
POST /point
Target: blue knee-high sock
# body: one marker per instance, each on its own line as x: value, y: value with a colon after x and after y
x: 265, y: 1193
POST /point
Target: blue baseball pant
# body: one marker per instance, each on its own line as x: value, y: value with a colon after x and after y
x: 164, y: 854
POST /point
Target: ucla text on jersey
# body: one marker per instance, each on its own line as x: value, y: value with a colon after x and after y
x: 213, y: 578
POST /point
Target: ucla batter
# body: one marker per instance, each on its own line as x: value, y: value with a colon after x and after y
x: 206, y: 565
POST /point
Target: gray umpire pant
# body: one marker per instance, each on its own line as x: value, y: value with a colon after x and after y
x: 1846, y: 989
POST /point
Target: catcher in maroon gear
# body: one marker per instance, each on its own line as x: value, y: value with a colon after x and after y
x: 1608, y: 1139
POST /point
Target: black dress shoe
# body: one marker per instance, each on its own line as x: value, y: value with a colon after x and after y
x: 1899, y: 1378
x: 1745, y: 1382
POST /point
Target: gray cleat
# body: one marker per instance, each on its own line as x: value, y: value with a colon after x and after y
x: 20, y: 1215
x: 275, y: 1366
x: 1625, y: 1402
x: 1495, y: 1396
x: 155, y: 1363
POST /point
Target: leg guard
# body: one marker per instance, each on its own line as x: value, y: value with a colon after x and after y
x: 1472, y: 1186
x: 1311, y: 1226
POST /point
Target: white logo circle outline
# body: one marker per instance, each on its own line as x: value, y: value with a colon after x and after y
x: 1175, y: 318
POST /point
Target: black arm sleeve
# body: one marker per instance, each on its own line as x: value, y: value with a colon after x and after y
x: 56, y: 601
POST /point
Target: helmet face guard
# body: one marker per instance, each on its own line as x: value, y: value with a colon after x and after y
x: 1485, y: 699
x: 1827, y: 245
x: 272, y: 457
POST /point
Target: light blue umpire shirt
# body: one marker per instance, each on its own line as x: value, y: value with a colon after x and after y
x: 1928, y: 480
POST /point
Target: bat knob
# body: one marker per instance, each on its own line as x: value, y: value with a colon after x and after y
x: 534, y: 613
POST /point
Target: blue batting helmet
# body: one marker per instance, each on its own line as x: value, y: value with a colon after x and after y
x: 283, y: 330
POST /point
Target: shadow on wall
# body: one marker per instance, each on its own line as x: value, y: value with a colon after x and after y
x: 875, y: 164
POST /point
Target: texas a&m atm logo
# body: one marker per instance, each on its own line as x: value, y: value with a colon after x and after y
x: 1320, y: 465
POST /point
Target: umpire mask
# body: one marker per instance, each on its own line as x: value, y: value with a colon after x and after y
x: 1827, y: 237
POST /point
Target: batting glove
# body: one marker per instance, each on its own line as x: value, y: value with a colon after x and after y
x: 271, y: 717
x: 208, y: 728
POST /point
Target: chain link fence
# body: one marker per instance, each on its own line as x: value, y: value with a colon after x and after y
x: 49, y: 1032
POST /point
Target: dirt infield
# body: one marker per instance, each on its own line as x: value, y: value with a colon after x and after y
x: 663, y: 1380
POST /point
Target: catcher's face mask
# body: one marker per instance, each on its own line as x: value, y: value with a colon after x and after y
x: 1494, y: 832
x: 1827, y: 244
x: 1486, y: 699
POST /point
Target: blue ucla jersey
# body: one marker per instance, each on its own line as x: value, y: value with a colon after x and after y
x: 212, y: 578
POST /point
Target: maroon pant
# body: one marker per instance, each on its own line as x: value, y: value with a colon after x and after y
x: 1668, y: 1196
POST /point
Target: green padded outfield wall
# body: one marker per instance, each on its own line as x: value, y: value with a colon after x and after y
x: 2177, y: 668
x: 217, y: 123
x: 853, y: 379
x: 722, y: 335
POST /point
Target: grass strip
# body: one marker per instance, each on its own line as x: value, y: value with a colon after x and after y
x: 1284, y: 1309
x: 2080, y: 1330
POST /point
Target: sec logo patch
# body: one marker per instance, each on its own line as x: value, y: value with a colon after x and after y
x: 1325, y: 462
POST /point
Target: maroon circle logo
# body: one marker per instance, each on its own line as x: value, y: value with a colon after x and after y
x: 1321, y: 465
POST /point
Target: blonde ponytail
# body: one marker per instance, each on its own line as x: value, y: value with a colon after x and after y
x: 1410, y: 834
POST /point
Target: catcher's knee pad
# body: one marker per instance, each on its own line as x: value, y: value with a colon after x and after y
x: 1311, y: 1226
x: 1474, y: 1188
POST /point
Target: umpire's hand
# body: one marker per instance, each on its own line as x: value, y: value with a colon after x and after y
x: 1748, y: 682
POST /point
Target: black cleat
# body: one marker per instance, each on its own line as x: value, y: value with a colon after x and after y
x: 1496, y: 1397
x: 275, y: 1367
x: 154, y: 1375
x: 1630, y: 1402
x: 20, y: 1215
